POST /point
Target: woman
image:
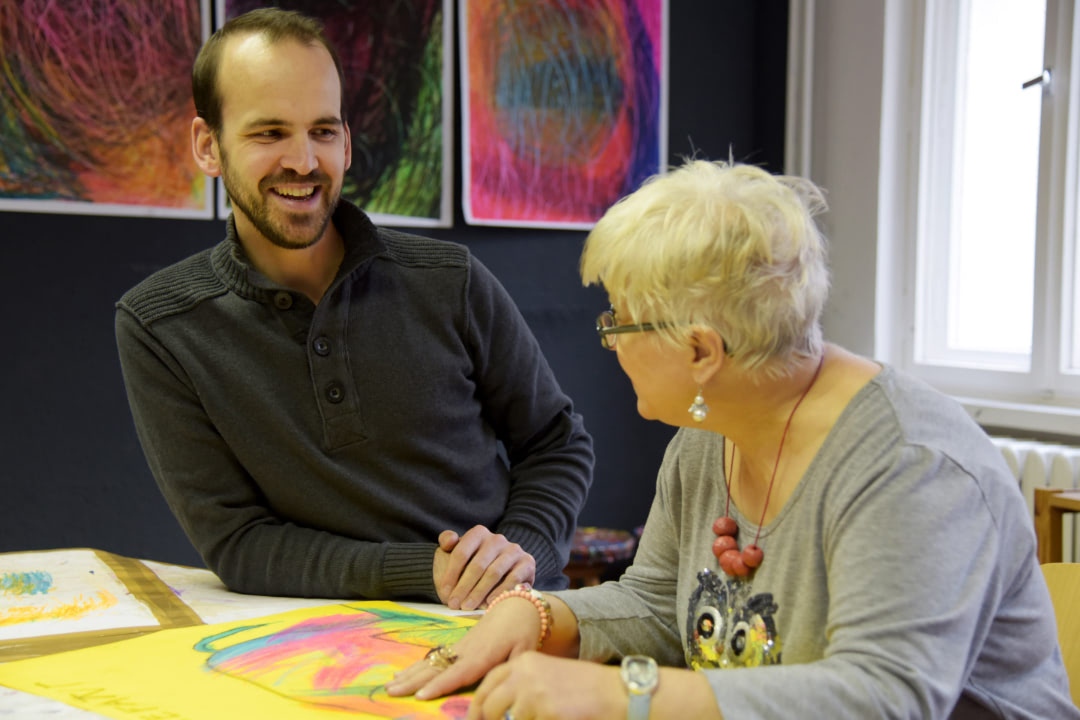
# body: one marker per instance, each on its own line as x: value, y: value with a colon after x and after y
x: 829, y: 537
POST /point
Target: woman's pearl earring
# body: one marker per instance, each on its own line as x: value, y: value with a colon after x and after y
x: 699, y: 409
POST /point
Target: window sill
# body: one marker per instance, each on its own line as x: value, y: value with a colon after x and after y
x: 1023, y: 417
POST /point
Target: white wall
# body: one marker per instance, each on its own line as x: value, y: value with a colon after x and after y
x: 845, y: 153
x: 863, y: 153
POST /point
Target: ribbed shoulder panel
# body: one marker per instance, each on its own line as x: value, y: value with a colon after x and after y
x: 175, y: 289
x: 417, y: 251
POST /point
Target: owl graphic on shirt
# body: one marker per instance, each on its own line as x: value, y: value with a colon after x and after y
x: 728, y: 625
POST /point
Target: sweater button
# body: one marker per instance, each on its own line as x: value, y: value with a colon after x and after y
x: 335, y: 393
x: 282, y: 300
x: 322, y: 346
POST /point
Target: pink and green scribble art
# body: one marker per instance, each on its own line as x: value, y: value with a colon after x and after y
x: 564, y: 108
x: 340, y: 661
x: 95, y: 107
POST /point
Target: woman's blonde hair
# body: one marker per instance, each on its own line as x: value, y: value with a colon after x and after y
x: 720, y: 244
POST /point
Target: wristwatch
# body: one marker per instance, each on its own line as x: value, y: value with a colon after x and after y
x: 640, y: 675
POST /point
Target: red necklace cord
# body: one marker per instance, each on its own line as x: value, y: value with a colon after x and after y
x: 783, y: 436
x: 732, y: 561
x: 727, y: 480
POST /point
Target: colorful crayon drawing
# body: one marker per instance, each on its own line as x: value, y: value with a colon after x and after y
x: 72, y: 609
x: 341, y: 661
x: 324, y: 662
x: 395, y: 54
x: 25, y: 583
x: 95, y: 107
x: 564, y: 107
x: 77, y: 593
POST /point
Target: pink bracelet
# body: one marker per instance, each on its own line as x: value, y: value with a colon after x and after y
x: 526, y: 592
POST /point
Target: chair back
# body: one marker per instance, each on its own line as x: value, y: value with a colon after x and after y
x: 1063, y: 580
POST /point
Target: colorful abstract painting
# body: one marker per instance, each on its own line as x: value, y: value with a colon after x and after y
x: 398, y: 76
x: 564, y: 108
x: 95, y: 107
x: 64, y: 591
x: 309, y: 663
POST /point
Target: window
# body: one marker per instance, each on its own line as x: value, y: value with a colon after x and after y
x: 991, y: 311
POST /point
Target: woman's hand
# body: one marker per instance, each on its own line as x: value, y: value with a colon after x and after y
x: 511, y: 628
x: 533, y: 686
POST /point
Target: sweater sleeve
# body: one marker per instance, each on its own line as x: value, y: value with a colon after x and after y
x: 636, y: 614
x: 549, y: 452
x: 220, y: 506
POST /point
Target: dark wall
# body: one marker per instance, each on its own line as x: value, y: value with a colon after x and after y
x: 73, y: 473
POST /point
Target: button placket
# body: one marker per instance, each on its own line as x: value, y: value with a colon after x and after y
x: 333, y: 385
x: 327, y: 368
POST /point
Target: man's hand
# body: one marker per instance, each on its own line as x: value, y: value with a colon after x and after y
x: 471, y: 570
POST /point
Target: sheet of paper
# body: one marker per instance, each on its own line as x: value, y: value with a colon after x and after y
x: 23, y: 705
x: 64, y: 591
x: 307, y: 663
x: 203, y: 592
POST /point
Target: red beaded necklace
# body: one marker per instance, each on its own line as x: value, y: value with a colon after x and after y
x: 726, y: 549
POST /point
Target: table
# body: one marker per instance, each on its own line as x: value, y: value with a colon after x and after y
x: 59, y: 600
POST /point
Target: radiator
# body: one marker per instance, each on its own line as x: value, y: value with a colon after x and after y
x: 1036, y: 464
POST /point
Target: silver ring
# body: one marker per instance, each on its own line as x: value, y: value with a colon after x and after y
x: 508, y: 715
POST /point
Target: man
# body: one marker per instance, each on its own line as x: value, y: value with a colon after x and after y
x: 320, y: 400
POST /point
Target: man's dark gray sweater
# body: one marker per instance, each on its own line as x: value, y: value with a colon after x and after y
x: 319, y: 450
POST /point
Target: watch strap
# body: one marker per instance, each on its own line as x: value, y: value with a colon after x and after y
x: 640, y: 674
x: 638, y: 709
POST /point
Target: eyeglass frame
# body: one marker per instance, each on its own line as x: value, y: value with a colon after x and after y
x: 604, y: 332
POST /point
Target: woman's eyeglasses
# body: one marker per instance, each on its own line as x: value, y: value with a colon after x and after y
x: 608, y: 328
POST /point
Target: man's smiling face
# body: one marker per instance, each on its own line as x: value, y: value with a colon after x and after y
x: 283, y: 146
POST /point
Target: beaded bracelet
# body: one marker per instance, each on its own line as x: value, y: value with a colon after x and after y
x: 526, y: 592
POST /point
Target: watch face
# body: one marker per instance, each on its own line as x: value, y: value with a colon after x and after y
x: 640, y: 673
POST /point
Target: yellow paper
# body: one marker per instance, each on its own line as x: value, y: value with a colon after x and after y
x: 307, y: 663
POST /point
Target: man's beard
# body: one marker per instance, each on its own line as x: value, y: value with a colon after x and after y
x: 257, y: 210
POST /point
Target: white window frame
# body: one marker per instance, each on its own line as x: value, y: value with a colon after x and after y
x: 1043, y: 399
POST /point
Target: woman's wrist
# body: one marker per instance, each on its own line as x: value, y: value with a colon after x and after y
x: 537, y: 599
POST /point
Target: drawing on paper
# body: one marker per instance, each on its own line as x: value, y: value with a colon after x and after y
x: 95, y: 107
x: 563, y: 109
x: 309, y: 663
x: 340, y: 660
x: 25, y: 583
x: 38, y: 582
x: 77, y: 593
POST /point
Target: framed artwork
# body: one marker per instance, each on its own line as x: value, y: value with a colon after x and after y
x: 564, y: 107
x: 96, y: 108
x: 399, y: 91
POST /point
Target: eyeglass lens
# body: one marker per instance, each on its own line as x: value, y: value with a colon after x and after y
x: 606, y: 321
